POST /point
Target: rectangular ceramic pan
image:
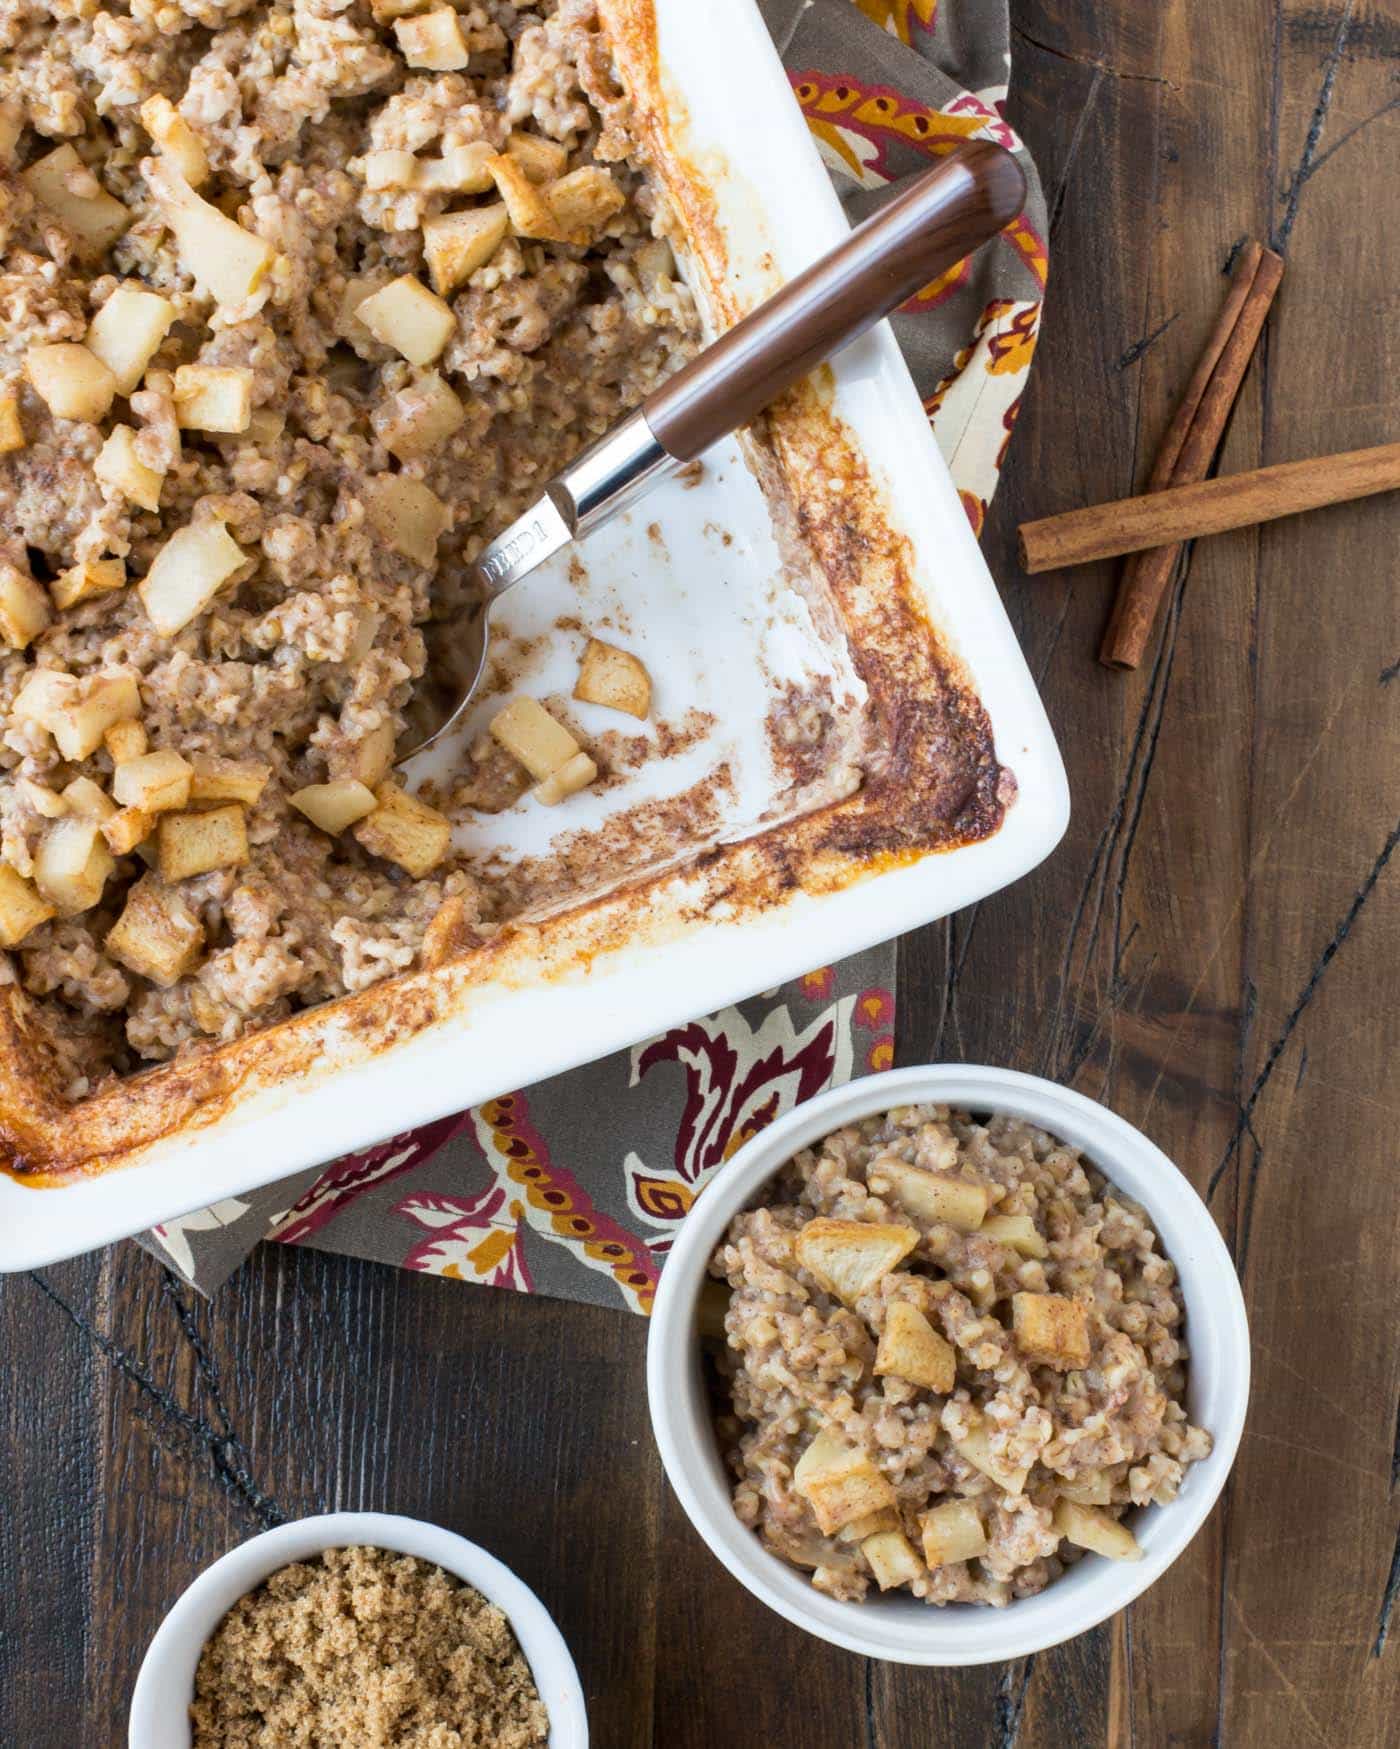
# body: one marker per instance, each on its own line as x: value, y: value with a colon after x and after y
x: 725, y: 862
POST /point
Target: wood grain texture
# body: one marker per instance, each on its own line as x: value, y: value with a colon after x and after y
x: 1213, y: 950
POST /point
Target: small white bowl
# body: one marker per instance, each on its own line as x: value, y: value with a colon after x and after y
x: 902, y: 1629
x: 165, y: 1684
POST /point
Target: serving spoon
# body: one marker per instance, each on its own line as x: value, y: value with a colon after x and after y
x: 927, y: 228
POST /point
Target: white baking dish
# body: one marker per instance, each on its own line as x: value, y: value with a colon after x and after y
x: 695, y: 581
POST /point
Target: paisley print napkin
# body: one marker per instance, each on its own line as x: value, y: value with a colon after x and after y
x: 574, y: 1187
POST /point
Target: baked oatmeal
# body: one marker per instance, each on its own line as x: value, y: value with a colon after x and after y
x: 953, y: 1360
x: 301, y: 301
x: 365, y: 1647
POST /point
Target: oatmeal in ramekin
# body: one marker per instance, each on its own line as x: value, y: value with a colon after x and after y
x: 953, y: 1359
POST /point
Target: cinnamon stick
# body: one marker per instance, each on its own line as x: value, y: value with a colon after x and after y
x: 1191, y: 442
x: 1182, y: 513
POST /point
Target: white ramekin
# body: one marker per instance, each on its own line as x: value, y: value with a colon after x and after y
x: 902, y: 1629
x: 165, y: 1683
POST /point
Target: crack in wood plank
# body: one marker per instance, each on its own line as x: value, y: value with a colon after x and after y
x: 1140, y: 348
x: 1339, y: 936
x: 224, y: 1450
x: 1011, y: 1700
x: 1388, y: 673
x: 1307, y: 164
x: 1057, y: 203
x: 1101, y: 67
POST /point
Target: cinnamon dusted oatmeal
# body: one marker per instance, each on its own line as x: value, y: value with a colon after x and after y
x: 300, y: 302
x: 365, y: 1647
x: 954, y: 1360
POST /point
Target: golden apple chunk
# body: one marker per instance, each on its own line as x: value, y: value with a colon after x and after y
x: 11, y: 426
x: 176, y: 138
x: 153, y: 782
x: 1100, y: 1532
x: 456, y: 244
x: 910, y: 1348
x: 195, y: 843
x: 82, y: 582
x: 530, y: 734
x: 25, y: 609
x: 187, y: 573
x: 567, y: 780
x: 213, y: 397
x: 1019, y: 1232
x: 419, y: 418
x: 73, y: 865
x: 408, y: 317
x: 892, y: 1559
x: 127, y: 828
x: 433, y: 40
x: 976, y: 1447
x: 582, y: 203
x: 88, y: 800
x: 613, y: 677
x: 119, y: 468
x: 409, y: 515
x: 1051, y: 1330
x: 226, y: 261
x: 405, y: 831
x: 21, y: 908
x: 125, y: 740
x: 71, y: 381
x: 157, y: 934
x: 952, y: 1532
x: 128, y: 331
x: 335, y: 805
x: 542, y: 160
x: 839, y: 1482
x: 64, y: 184
x: 216, y: 779
x: 848, y: 1258
x: 929, y: 1196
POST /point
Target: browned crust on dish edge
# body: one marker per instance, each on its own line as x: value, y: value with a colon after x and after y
x: 919, y: 695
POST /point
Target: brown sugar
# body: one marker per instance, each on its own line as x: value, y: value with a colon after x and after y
x: 365, y: 1647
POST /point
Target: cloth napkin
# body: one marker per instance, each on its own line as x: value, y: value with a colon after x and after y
x: 575, y: 1187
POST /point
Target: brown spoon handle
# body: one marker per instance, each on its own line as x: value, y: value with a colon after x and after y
x: 940, y: 218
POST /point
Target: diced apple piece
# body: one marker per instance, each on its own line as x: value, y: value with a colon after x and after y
x: 409, y: 515
x: 408, y: 317
x: 213, y: 397
x: 225, y: 260
x: 892, y: 1559
x: 41, y: 798
x: 870, y: 1525
x: 460, y: 170
x: 419, y: 418
x: 527, y: 731
x: 153, y: 782
x: 194, y: 843
x: 910, y: 1348
x: 157, y: 934
x: 215, y: 779
x: 450, y: 932
x: 125, y: 740
x: 542, y: 160
x: 176, y: 138
x: 187, y: 573
x: 952, y: 1532
x: 335, y: 805
x: 613, y: 677
x: 929, y: 1196
x: 369, y: 759
x: 265, y: 426
x: 572, y: 776
x: 78, y: 713
x: 24, y: 607
x: 1051, y: 1329
x: 433, y: 40
x: 1019, y: 1232
x: 71, y: 381
x: 975, y: 1446
x: 839, y: 1482
x: 1100, y: 1532
x: 404, y: 830
x: 88, y: 800
x: 849, y: 1258
x: 127, y: 828
x: 119, y: 468
x: 389, y: 169
x: 582, y: 203
x: 73, y: 865
x: 1093, y: 1489
x: 64, y: 184
x: 11, y: 428
x: 529, y: 211
x: 456, y: 244
x: 127, y: 332
x: 21, y: 908
x: 386, y: 11
x: 92, y: 577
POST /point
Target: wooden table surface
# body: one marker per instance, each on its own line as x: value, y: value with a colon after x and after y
x: 1213, y: 950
